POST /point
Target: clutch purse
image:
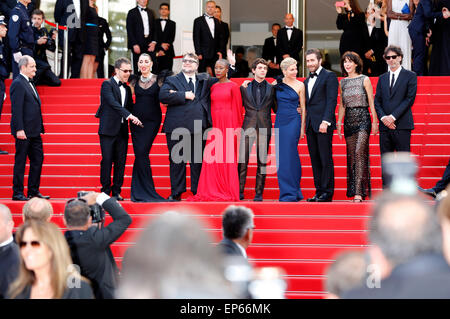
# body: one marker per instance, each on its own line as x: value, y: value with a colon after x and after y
x: 405, y: 9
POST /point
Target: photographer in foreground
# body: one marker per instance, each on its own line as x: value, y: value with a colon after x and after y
x: 90, y: 244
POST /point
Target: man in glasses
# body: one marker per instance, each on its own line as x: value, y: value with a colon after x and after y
x: 395, y: 95
x: 114, y: 112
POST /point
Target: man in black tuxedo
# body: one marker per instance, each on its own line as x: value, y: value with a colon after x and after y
x: 72, y: 14
x: 321, y: 98
x: 90, y: 244
x: 258, y: 100
x: 237, y: 225
x: 188, y: 115
x: 116, y: 102
x: 290, y: 39
x: 165, y: 33
x: 271, y: 54
x: 26, y: 127
x: 224, y: 31
x: 9, y: 252
x: 141, y: 32
x: 207, y: 39
x: 394, y: 98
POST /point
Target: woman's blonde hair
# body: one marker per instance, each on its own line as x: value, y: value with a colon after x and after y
x: 286, y: 63
x: 61, y: 262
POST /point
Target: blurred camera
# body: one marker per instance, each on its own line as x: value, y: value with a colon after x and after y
x: 399, y: 172
x: 97, y: 212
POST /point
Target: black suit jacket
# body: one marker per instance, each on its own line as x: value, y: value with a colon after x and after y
x: 398, y: 103
x: 377, y: 42
x: 135, y: 29
x: 224, y: 36
x: 423, y: 17
x: 424, y: 277
x: 9, y: 267
x: 270, y: 51
x: 258, y: 116
x: 291, y: 47
x: 181, y: 112
x: 91, y: 250
x: 166, y: 36
x: 229, y: 247
x: 111, y: 112
x: 25, y: 108
x: 321, y: 105
x: 204, y: 43
x: 63, y: 16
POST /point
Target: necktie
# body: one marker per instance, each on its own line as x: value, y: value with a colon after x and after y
x: 34, y: 88
x: 191, y: 85
x: 258, y: 95
x: 312, y: 75
x: 392, y: 83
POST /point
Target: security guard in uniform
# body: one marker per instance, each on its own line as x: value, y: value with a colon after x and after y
x: 21, y: 36
x: 4, y: 66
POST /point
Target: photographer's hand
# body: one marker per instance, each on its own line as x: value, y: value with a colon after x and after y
x: 91, y: 198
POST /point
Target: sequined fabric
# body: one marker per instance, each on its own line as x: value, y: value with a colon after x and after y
x: 357, y: 127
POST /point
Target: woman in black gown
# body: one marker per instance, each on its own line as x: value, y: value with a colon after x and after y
x: 148, y: 110
x: 440, y: 54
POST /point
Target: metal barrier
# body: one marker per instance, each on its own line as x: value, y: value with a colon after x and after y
x: 65, y: 53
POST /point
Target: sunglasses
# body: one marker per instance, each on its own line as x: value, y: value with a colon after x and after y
x: 33, y: 243
x: 188, y: 61
x: 126, y: 71
x: 388, y: 57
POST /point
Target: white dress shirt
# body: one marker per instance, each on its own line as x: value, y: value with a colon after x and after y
x: 32, y: 87
x: 210, y: 24
x: 193, y: 77
x: 289, y: 32
x: 312, y: 81
x: 144, y: 16
x: 123, y: 93
x: 163, y: 24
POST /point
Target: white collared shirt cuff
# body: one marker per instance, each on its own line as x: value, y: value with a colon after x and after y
x: 102, y: 198
x: 328, y: 123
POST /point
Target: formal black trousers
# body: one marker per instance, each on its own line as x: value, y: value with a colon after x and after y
x: 187, y: 148
x: 114, y: 151
x: 320, y: 151
x: 262, y: 149
x: 394, y: 141
x: 31, y: 148
x: 419, y: 53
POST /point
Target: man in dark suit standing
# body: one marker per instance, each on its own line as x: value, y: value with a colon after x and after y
x: 394, y: 98
x: 321, y: 98
x: 237, y: 225
x: 165, y: 33
x: 141, y: 32
x: 290, y: 39
x: 224, y: 31
x: 271, y: 54
x: 72, y: 14
x: 114, y: 112
x: 207, y: 39
x: 26, y: 127
x: 258, y: 100
x: 5, y: 62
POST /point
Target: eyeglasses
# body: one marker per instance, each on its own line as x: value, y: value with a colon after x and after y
x: 33, y: 243
x: 388, y: 57
x: 188, y: 61
x: 126, y: 71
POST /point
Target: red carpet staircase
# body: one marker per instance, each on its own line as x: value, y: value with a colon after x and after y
x: 302, y: 238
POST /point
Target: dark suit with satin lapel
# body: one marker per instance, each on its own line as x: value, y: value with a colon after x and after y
x: 113, y: 133
x: 320, y: 106
x: 165, y: 62
x: 204, y: 42
x: 292, y: 46
x: 271, y: 53
x: 26, y: 115
x: 193, y: 117
x: 257, y: 126
x: 135, y: 33
x: 229, y: 248
x: 398, y: 104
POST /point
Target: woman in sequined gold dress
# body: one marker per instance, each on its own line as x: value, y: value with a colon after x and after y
x: 356, y: 98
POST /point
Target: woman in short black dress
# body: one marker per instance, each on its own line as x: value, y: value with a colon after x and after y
x: 90, y: 47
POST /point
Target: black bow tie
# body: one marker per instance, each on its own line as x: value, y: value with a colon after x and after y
x: 142, y: 9
x: 207, y: 16
x: 164, y: 19
x: 121, y: 84
x: 290, y: 28
x: 312, y: 75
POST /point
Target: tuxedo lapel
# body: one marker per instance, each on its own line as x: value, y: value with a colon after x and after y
x: 116, y: 90
x: 318, y: 82
x: 139, y: 18
x: 267, y: 94
x: 250, y: 94
x: 26, y: 83
x: 182, y: 82
x: 306, y: 89
x: 207, y: 27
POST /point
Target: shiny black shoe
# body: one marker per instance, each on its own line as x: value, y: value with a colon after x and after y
x: 2, y: 152
x: 174, y: 198
x: 258, y: 198
x: 20, y: 197
x: 241, y: 196
x: 38, y: 195
x: 118, y: 197
x: 323, y: 198
x: 312, y: 199
x: 428, y: 191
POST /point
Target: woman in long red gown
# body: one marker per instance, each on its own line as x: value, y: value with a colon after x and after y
x: 219, y: 179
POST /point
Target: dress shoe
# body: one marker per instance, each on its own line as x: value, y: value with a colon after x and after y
x: 174, y: 198
x: 323, y: 198
x: 428, y: 191
x: 241, y: 196
x: 312, y: 199
x: 258, y: 198
x: 2, y: 152
x: 19, y: 197
x: 118, y: 197
x: 38, y: 195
